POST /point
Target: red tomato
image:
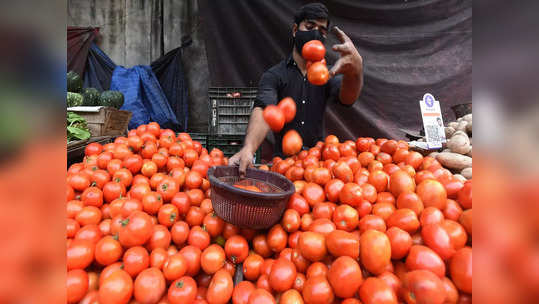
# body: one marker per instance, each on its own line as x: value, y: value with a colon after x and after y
x: 136, y: 229
x: 422, y: 286
x: 318, y: 290
x: 221, y: 288
x: 212, y: 259
x: 116, y: 288
x: 242, y: 291
x: 282, y: 275
x: 274, y: 117
x: 345, y: 276
x: 375, y: 254
x: 318, y: 74
x: 292, y: 143
x: 376, y: 291
x: 288, y: 106
x: 261, y: 296
x: 77, y: 285
x: 422, y: 257
x: 149, y: 286
x: 460, y: 268
x: 312, y: 246
x: 183, y: 290
x: 438, y: 239
x: 313, y: 50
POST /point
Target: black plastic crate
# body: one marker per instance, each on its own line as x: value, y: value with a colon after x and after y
x: 202, y: 138
x: 229, y: 113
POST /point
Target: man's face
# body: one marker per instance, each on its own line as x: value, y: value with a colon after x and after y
x: 312, y: 24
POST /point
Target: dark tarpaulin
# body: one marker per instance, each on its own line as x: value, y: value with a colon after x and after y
x: 99, y: 68
x: 79, y: 40
x: 409, y: 48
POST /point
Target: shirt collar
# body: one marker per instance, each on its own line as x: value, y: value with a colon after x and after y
x: 290, y: 60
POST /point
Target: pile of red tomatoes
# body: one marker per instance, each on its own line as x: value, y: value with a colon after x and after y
x: 370, y: 222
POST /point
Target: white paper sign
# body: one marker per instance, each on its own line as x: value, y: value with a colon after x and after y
x: 432, y: 121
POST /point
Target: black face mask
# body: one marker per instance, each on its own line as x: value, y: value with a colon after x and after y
x: 303, y: 37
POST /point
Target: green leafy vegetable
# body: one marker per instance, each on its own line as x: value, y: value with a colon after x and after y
x: 76, y: 127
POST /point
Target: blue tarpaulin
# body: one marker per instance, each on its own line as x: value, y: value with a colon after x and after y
x: 143, y: 96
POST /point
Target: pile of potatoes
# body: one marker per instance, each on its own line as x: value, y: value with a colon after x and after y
x: 457, y: 155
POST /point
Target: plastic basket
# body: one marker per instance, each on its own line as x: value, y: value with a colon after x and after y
x: 246, y: 209
x: 230, y: 115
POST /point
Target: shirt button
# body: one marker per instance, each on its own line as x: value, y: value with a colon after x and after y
x: 304, y: 79
x: 302, y: 122
x: 303, y: 102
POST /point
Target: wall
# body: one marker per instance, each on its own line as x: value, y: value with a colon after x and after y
x: 136, y: 32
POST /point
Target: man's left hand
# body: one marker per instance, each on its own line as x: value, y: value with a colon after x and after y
x: 350, y: 62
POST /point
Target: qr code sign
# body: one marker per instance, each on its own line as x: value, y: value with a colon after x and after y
x: 433, y: 134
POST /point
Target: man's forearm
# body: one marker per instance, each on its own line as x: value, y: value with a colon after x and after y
x: 256, y: 131
x: 351, y: 87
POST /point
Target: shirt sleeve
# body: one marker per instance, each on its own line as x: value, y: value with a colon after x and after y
x: 334, y: 88
x: 267, y: 90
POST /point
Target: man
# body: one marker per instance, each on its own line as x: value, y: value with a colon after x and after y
x: 288, y: 79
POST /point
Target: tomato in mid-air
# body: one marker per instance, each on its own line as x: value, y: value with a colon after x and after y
x: 274, y: 117
x: 318, y: 74
x: 288, y: 106
x: 292, y: 143
x: 313, y: 50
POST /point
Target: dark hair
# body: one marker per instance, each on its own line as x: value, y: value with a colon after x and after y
x: 311, y: 11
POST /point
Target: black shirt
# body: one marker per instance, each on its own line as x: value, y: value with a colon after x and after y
x: 286, y: 80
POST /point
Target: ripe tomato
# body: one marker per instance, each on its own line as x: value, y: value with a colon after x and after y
x: 113, y: 190
x: 276, y: 238
x: 432, y: 194
x: 292, y: 143
x: 167, y: 215
x: 260, y: 246
x: 341, y: 243
x: 212, y: 259
x: 77, y: 285
x: 138, y: 191
x: 342, y: 171
x: 198, y: 237
x: 460, y: 268
x: 312, y: 245
x: 282, y: 275
x: 274, y: 117
x: 149, y: 286
x: 411, y: 201
x: 167, y: 188
x: 318, y: 74
x: 345, y: 276
x: 136, y: 229
x: 108, y: 250
x: 92, y: 196
x: 438, y: 239
x: 252, y: 266
x: 452, y: 210
x: 404, y: 218
x: 333, y: 188
x: 260, y: 296
x: 291, y: 296
x: 89, y: 215
x: 135, y: 260
x: 431, y: 215
x: 350, y: 194
x: 383, y: 210
x: 373, y: 222
x: 422, y: 286
x: 242, y: 291
x: 422, y: 257
x: 346, y: 218
x: 179, y: 232
x: 221, y: 288
x: 152, y: 202
x: 400, y: 182
x: 160, y: 238
x: 79, y: 181
x: 379, y: 179
x: 318, y: 290
x: 464, y: 196
x: 320, y: 176
x: 183, y: 290
x: 291, y: 220
x: 313, y: 50
x: 375, y: 251
x: 298, y: 203
x: 376, y: 291
x: 451, y: 292
x: 158, y: 256
x: 400, y: 241
x: 116, y: 288
x: 414, y: 159
x: 175, y: 266
x: 456, y: 232
x: 288, y: 106
x: 192, y: 256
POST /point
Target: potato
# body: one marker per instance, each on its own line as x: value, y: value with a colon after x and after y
x: 449, y: 132
x: 453, y: 124
x: 462, y: 126
x: 433, y: 154
x: 469, y: 128
x: 467, y: 172
x: 469, y: 153
x: 467, y: 117
x: 459, y: 177
x: 454, y: 160
x: 459, y: 143
x: 459, y: 119
x: 447, y: 150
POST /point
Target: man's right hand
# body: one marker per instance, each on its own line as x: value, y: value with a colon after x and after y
x: 243, y: 159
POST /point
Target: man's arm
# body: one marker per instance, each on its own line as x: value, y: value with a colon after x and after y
x: 257, y: 128
x: 351, y: 66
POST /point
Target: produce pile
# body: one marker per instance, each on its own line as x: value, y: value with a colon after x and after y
x: 77, y: 96
x: 141, y: 228
x: 76, y: 127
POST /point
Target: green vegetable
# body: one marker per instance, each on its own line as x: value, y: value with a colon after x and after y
x: 90, y: 96
x: 113, y: 99
x: 76, y: 127
x: 74, y: 82
x: 74, y: 99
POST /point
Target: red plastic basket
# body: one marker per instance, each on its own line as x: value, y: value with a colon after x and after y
x: 247, y: 209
